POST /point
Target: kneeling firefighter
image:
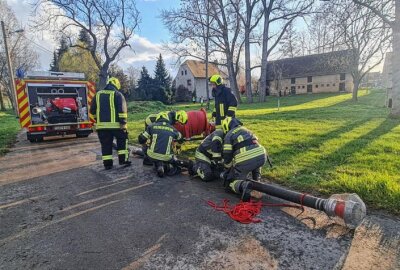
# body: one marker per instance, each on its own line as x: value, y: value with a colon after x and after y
x: 242, y: 154
x: 208, y: 157
x: 172, y: 117
x: 110, y: 111
x: 162, y: 135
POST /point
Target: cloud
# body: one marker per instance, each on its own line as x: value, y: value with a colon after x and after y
x: 143, y: 52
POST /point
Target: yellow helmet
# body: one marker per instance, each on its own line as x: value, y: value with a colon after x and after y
x: 162, y: 115
x: 181, y: 117
x: 114, y: 81
x: 217, y: 79
x: 229, y: 123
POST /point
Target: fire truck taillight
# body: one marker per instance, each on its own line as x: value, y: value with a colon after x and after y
x: 35, y: 129
x: 85, y: 125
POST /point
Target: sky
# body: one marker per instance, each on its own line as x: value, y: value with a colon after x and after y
x: 146, y: 44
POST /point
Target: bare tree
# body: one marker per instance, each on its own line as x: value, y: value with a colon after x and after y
x: 290, y: 45
x: 109, y: 23
x: 21, y: 53
x: 188, y: 27
x: 250, y: 18
x: 366, y: 35
x: 283, y: 12
x: 384, y: 10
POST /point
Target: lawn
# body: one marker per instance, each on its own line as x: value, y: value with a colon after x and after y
x: 9, y: 127
x: 322, y: 143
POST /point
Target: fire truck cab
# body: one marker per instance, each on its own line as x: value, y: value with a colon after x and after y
x: 55, y: 103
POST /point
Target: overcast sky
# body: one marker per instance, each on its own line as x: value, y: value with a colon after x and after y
x: 146, y: 43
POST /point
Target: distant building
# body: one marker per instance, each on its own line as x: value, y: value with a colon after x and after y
x: 192, y: 75
x: 318, y: 73
x: 387, y: 81
x: 372, y: 79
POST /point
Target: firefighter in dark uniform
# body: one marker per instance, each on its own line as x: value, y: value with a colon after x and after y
x: 162, y: 135
x: 110, y: 111
x: 242, y: 154
x: 208, y: 157
x: 225, y: 100
x: 173, y: 117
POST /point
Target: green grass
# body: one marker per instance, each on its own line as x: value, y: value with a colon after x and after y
x: 324, y: 144
x: 9, y: 128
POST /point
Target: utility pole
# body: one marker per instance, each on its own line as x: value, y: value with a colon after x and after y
x: 10, y: 70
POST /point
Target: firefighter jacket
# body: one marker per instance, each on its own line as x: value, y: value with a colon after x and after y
x: 241, y: 145
x: 225, y: 103
x: 152, y: 118
x: 211, y: 147
x: 162, y: 136
x: 109, y: 108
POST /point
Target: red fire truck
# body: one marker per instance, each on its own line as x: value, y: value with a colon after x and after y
x: 55, y: 103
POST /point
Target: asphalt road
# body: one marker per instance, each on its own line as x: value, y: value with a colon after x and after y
x: 60, y: 210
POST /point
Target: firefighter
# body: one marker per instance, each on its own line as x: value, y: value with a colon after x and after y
x: 173, y: 117
x: 208, y: 157
x: 225, y: 101
x: 161, y: 136
x: 242, y: 154
x: 110, y: 111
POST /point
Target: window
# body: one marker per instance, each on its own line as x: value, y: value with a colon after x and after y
x: 334, y: 84
x: 185, y: 72
x: 327, y: 85
x: 316, y: 86
x: 309, y: 88
x: 342, y: 76
x: 182, y: 72
x: 189, y: 82
x: 293, y: 80
x: 322, y: 85
x: 303, y: 86
x: 298, y: 87
x: 309, y: 79
x: 287, y: 88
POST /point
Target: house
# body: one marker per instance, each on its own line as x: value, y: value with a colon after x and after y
x: 318, y: 73
x: 192, y: 75
x: 372, y: 79
x: 387, y: 82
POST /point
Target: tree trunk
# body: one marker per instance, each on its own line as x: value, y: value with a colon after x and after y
x: 232, y: 78
x: 356, y: 84
x: 103, y: 76
x: 396, y: 63
x: 2, y: 106
x: 10, y: 98
x: 264, y: 57
x: 249, y: 92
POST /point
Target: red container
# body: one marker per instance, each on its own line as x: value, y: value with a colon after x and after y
x: 62, y: 103
x: 196, y: 125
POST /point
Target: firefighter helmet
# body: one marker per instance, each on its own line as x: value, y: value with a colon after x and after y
x: 162, y: 115
x: 181, y: 117
x: 217, y: 79
x: 114, y: 81
x: 229, y: 123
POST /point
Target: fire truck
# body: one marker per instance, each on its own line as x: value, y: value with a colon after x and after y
x: 55, y: 103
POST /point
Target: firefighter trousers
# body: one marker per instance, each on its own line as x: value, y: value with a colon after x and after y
x: 241, y: 171
x: 106, y: 137
x: 206, y: 171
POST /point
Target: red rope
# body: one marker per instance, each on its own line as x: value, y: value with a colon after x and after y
x: 245, y: 212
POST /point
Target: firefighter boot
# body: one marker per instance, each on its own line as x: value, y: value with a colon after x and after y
x: 160, y: 169
x: 256, y: 175
x: 173, y: 170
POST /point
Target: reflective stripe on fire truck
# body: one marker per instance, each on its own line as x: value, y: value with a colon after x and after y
x: 91, y: 93
x: 23, y: 104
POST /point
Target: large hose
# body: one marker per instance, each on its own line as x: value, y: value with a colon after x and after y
x: 348, y: 207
